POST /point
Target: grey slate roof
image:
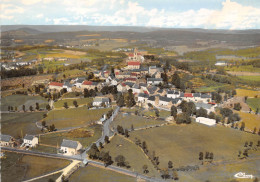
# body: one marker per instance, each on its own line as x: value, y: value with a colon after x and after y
x: 130, y: 84
x: 165, y: 99
x: 80, y: 80
x: 143, y: 95
x: 176, y: 100
x: 143, y: 85
x: 29, y: 137
x: 203, y: 105
x: 5, y: 138
x: 101, y: 99
x: 154, y: 79
x: 151, y: 98
x: 206, y: 96
x: 170, y: 92
x: 196, y: 94
x: 69, y: 144
x: 136, y: 86
x: 160, y: 91
x: 182, y: 95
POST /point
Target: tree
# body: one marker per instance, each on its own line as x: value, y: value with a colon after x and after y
x: 176, y: 80
x: 257, y: 110
x: 165, y: 174
x: 94, y: 152
x: 237, y: 106
x: 120, y: 159
x: 43, y: 123
x: 75, y: 103
x: 23, y: 108
x: 170, y: 164
x: 31, y: 108
x: 175, y: 175
x: 145, y: 169
x: 256, y: 179
x: 51, y: 180
x: 157, y: 113
x: 107, y: 139
x: 120, y: 129
x: 174, y: 111
x: 242, y: 128
x: 126, y: 133
x: 52, y: 127
x: 48, y: 107
x: 107, y: 159
x: 234, y: 92
x: 37, y: 107
x: 132, y: 127
x: 65, y: 105
x: 101, y: 145
x: 212, y: 115
x: 183, y: 118
x: 201, y: 112
x: 246, y: 144
x: 120, y: 102
x: 86, y: 93
x: 225, y: 112
x: 201, y: 156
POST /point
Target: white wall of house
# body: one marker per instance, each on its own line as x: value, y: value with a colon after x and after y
x: 31, y: 143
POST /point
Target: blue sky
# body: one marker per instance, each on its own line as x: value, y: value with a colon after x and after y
x: 208, y: 14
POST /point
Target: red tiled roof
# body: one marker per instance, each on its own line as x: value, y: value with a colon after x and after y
x: 56, y: 84
x: 134, y: 63
x: 188, y: 95
x: 123, y: 84
x: 139, y: 53
x: 117, y: 73
x: 212, y: 103
x: 146, y: 92
x: 87, y: 82
x: 134, y: 74
x: 131, y: 55
x: 131, y: 79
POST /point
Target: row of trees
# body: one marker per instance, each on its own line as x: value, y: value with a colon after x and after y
x: 122, y: 131
x: 207, y: 157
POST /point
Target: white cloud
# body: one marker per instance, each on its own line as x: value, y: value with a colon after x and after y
x: 31, y: 2
x: 8, y: 11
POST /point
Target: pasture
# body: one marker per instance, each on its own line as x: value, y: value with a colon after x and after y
x: 253, y: 103
x: 81, y: 101
x: 182, y: 143
x: 67, y: 118
x: 17, y: 124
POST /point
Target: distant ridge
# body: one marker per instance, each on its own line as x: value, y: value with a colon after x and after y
x: 36, y: 29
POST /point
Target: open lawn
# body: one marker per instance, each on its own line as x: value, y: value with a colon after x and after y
x: 94, y: 174
x: 53, y: 177
x: 253, y: 103
x: 56, y: 138
x: 20, y: 100
x: 74, y: 117
x: 251, y: 120
x: 16, y: 124
x: 136, y: 121
x: 182, y: 143
x: 162, y: 113
x: 248, y: 68
x: 81, y: 101
x: 119, y: 145
x: 71, y: 95
x: 18, y: 167
x: 71, y: 73
x: 249, y: 93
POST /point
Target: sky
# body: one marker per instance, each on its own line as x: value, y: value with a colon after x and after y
x: 207, y: 14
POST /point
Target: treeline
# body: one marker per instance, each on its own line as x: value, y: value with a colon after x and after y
x: 18, y: 73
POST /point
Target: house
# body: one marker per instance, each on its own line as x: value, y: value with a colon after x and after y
x: 89, y: 85
x: 150, y: 90
x: 157, y: 75
x: 205, y: 97
x: 161, y: 92
x: 121, y: 87
x: 133, y: 80
x: 67, y: 86
x: 30, y: 141
x: 206, y: 121
x: 53, y: 86
x: 173, y: 94
x: 151, y: 100
x: 97, y: 74
x: 78, y: 82
x: 70, y: 147
x: 154, y: 81
x: 142, y: 98
x: 187, y: 96
x: 154, y: 69
x: 208, y: 107
x: 5, y: 140
x: 133, y: 65
x: 101, y: 101
x: 136, y: 88
x: 221, y: 63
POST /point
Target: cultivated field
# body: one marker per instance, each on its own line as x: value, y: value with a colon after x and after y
x: 119, y: 145
x: 18, y: 167
x: 66, y: 118
x: 253, y: 103
x: 94, y: 174
x: 249, y: 93
x: 17, y: 124
x: 182, y: 143
x: 251, y: 120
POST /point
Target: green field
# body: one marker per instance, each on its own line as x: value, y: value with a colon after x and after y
x: 253, y: 103
x: 74, y: 117
x: 94, y: 174
x: 162, y: 113
x: 19, y: 100
x: 71, y: 73
x: 16, y: 124
x: 250, y: 78
x: 246, y: 92
x: 56, y: 138
x: 132, y: 153
x: 82, y: 101
x: 136, y: 121
x: 182, y: 143
x: 248, y: 68
x: 18, y: 167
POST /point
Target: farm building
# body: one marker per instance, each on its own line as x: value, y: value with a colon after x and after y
x: 30, y: 141
x: 206, y: 121
x: 70, y: 147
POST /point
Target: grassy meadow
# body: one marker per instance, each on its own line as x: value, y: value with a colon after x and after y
x: 253, y: 103
x: 182, y: 143
x: 80, y: 101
